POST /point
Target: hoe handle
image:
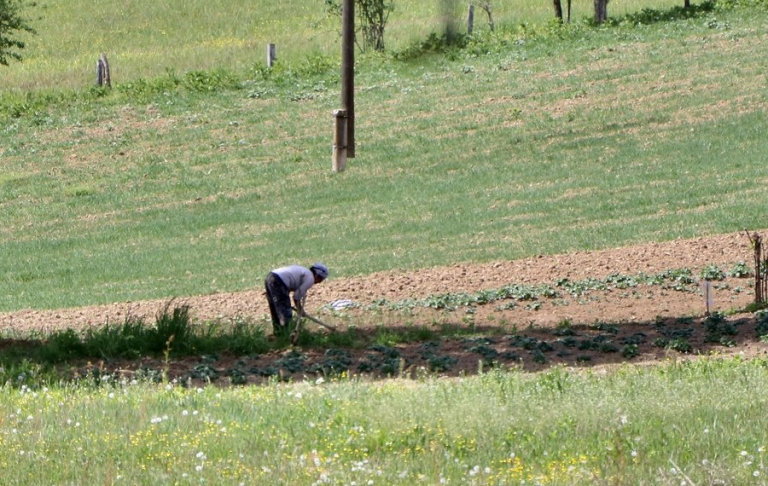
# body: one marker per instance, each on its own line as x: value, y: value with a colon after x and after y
x: 318, y: 321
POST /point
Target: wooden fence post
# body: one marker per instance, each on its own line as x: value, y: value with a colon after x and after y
x: 761, y: 284
x: 271, y: 55
x: 339, y: 162
x: 103, y: 77
x: 470, y: 19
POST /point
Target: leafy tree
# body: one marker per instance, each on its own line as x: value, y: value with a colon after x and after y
x: 11, y: 22
x: 372, y: 16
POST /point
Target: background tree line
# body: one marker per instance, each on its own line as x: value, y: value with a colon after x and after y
x: 11, y: 24
x: 371, y: 21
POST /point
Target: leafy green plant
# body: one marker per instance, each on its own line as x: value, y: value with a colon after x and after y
x: 440, y: 363
x: 761, y: 329
x: 607, y: 347
x: 205, y: 372
x: 384, y: 359
x: 334, y: 362
x: 629, y: 351
x: 680, y: 345
x: 635, y: 339
x: 488, y: 353
x: 604, y: 327
x: 649, y: 15
x: 211, y: 81
x: 740, y: 270
x: 718, y: 330
x: 237, y: 376
x: 661, y: 342
x: 292, y: 361
x: 712, y: 272
x: 569, y: 342
x: 433, y: 44
x: 564, y: 328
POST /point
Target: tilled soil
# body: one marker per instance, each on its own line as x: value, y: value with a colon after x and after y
x: 620, y: 323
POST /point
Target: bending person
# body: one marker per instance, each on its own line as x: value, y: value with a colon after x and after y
x: 281, y: 282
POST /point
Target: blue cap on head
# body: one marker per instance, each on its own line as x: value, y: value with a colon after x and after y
x: 320, y: 270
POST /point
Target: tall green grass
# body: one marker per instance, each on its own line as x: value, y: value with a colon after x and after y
x: 681, y: 423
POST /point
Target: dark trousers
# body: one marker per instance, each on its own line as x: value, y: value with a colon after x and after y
x: 279, y: 299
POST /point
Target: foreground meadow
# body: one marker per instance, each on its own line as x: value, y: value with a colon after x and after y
x: 679, y: 423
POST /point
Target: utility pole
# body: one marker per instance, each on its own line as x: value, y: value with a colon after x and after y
x: 348, y: 71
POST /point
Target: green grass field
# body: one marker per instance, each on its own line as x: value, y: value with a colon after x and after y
x: 201, y: 181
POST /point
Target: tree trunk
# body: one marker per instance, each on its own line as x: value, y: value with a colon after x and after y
x: 601, y: 11
x: 569, y: 11
x: 687, y: 3
x: 487, y: 7
x: 558, y: 10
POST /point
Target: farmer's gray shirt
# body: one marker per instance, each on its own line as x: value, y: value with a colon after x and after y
x: 298, y: 280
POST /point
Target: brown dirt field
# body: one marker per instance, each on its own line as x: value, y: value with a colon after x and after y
x: 639, y: 314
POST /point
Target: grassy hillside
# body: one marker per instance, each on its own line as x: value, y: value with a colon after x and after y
x: 194, y: 182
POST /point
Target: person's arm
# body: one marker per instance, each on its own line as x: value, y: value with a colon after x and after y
x: 299, y: 307
x: 300, y: 295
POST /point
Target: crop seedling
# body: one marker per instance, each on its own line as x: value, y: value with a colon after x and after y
x: 607, y: 347
x: 292, y: 361
x: 635, y: 339
x: 740, y: 270
x: 510, y: 356
x: 564, y: 328
x: 334, y: 363
x: 629, y: 351
x: 569, y: 342
x: 609, y: 328
x: 712, y: 272
x: 440, y: 363
x: 718, y: 330
x: 237, y: 376
x: 681, y: 345
x: 385, y: 360
x: 761, y: 329
x: 683, y: 333
x: 488, y: 353
x: 204, y: 372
